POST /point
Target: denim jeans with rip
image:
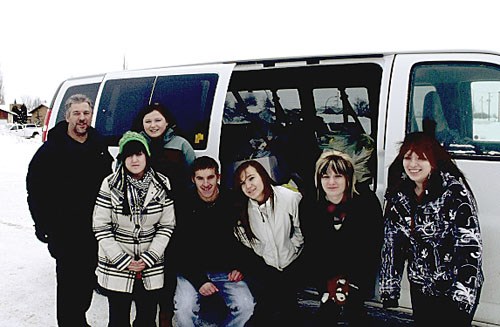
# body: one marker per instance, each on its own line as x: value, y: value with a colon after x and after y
x: 236, y: 296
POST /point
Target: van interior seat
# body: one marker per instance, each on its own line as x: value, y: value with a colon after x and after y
x: 432, y: 115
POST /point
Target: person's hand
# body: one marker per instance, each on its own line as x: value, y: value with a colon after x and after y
x: 137, y: 265
x: 390, y: 303
x: 235, y: 276
x: 208, y: 289
x: 41, y: 235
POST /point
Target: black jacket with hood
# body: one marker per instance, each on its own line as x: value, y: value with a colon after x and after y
x: 63, y: 180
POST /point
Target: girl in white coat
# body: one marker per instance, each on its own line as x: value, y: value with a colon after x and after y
x: 269, y: 225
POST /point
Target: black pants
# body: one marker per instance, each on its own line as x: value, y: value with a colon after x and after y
x: 75, y: 284
x: 170, y: 269
x: 275, y: 293
x: 438, y: 310
x: 146, y: 305
x: 353, y: 311
x: 166, y: 297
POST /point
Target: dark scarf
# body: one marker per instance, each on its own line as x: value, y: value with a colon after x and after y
x: 135, y: 191
x: 337, y: 213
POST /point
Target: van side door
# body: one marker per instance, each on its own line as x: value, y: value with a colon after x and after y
x: 457, y: 97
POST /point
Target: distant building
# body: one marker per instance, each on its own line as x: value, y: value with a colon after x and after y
x: 37, y: 114
x: 6, y: 116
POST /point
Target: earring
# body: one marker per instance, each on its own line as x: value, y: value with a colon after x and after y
x: 404, y: 176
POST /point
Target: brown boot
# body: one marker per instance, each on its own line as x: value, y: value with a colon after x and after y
x: 166, y: 319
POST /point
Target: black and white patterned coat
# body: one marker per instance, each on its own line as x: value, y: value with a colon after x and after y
x: 145, y: 234
x: 439, y: 237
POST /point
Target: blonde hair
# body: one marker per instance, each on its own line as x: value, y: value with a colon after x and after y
x: 341, y: 163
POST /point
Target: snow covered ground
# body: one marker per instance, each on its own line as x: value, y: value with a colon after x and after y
x: 27, y: 296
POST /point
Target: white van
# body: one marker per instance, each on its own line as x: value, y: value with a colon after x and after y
x: 283, y: 110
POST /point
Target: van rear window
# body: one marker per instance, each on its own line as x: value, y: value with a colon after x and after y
x: 188, y: 97
x: 89, y: 90
x: 120, y: 101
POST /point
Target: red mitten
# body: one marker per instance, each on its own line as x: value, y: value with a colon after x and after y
x: 338, y: 289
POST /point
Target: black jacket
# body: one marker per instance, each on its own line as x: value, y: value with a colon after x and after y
x: 353, y: 251
x: 205, y: 239
x: 63, y: 180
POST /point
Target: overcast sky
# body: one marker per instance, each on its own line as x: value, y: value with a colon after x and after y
x: 44, y: 42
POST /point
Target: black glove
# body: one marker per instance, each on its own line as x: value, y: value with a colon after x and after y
x: 390, y: 303
x: 41, y: 235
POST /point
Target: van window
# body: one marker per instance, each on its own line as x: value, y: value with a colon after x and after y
x: 330, y: 107
x: 254, y: 115
x: 253, y: 128
x: 188, y: 97
x: 284, y: 117
x: 460, y: 104
x: 486, y: 117
x: 120, y: 101
x: 89, y: 90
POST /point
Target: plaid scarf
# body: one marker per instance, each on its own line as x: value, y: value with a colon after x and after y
x: 137, y: 190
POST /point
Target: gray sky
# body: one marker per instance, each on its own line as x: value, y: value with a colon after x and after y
x: 44, y: 42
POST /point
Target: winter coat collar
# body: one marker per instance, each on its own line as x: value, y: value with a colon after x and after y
x: 169, y: 135
x: 438, y: 183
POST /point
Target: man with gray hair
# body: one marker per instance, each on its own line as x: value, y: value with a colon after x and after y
x: 63, y: 180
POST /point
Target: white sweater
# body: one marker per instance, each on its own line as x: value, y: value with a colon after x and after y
x: 279, y: 238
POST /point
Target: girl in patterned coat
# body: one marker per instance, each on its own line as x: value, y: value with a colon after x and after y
x: 133, y: 222
x: 431, y: 222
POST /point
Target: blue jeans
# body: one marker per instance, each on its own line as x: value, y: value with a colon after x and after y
x: 236, y: 295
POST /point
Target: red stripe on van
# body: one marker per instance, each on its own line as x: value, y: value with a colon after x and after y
x: 46, y: 125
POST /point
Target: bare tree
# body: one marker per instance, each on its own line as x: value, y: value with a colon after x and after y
x: 30, y: 102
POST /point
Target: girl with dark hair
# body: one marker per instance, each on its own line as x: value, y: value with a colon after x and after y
x: 171, y: 155
x: 431, y: 222
x: 269, y: 225
x: 344, y: 233
x: 133, y: 222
